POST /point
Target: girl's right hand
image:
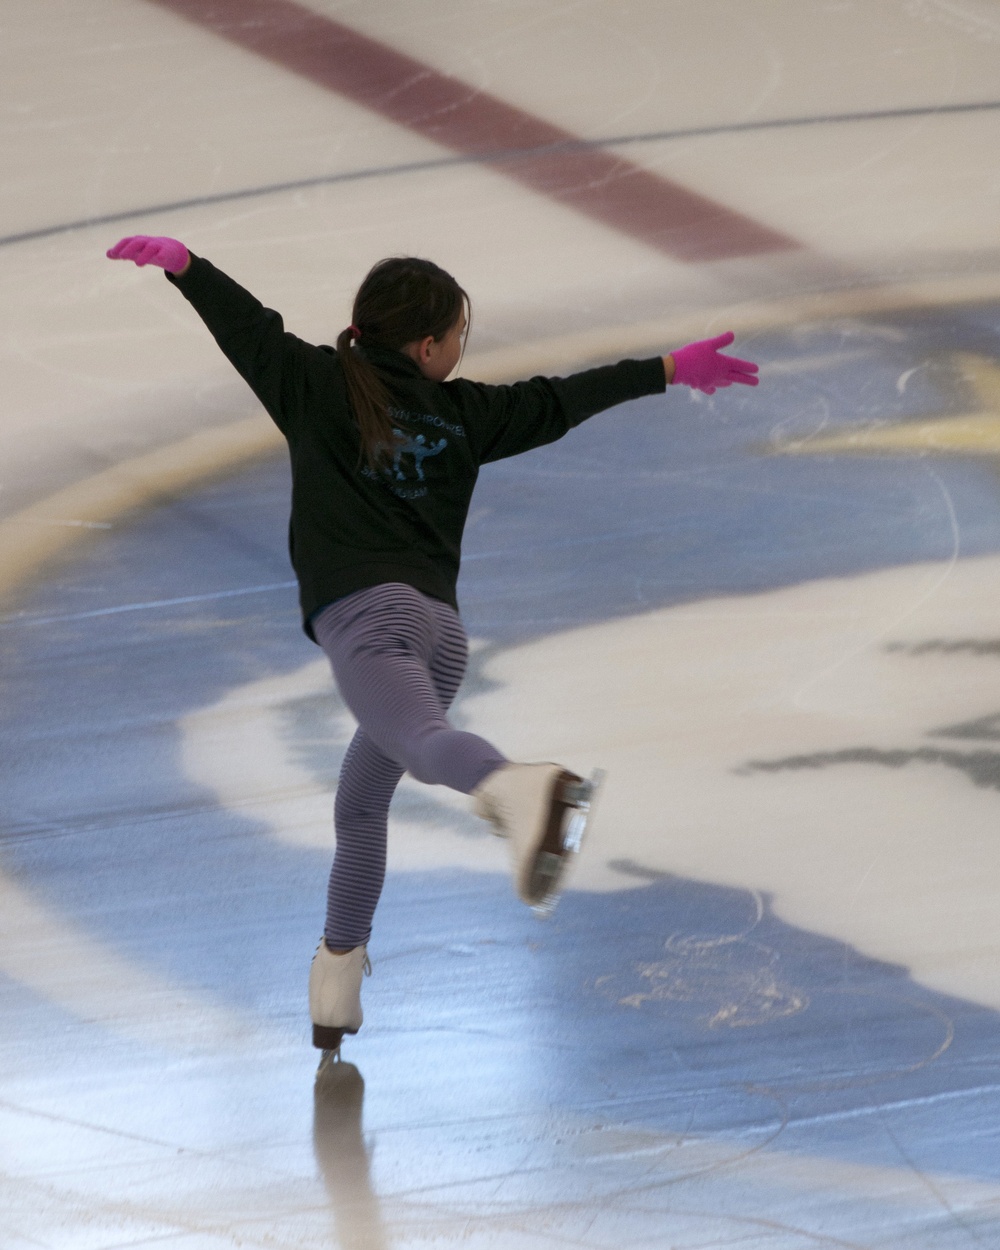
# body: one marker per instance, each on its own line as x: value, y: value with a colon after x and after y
x: 703, y: 367
x: 144, y: 249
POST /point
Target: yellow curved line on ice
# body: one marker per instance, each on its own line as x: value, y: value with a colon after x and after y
x: 970, y: 434
x: 36, y: 535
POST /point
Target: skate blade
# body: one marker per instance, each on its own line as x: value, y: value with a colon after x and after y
x: 327, y: 1061
x: 581, y: 796
x: 544, y: 882
x: 550, y: 868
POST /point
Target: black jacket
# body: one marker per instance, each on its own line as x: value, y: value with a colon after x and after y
x: 351, y: 527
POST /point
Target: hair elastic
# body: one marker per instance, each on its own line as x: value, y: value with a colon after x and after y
x: 355, y: 332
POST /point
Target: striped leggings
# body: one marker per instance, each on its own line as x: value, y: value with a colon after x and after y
x: 398, y: 658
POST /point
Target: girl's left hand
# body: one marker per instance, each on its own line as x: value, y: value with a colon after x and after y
x: 144, y: 249
x: 703, y: 367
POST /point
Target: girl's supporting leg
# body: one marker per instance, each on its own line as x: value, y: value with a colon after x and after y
x: 399, y: 658
x: 367, y: 782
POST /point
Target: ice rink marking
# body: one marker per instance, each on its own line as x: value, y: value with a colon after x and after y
x: 541, y: 156
x: 496, y: 157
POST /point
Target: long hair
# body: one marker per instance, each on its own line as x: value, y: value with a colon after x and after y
x: 402, y: 300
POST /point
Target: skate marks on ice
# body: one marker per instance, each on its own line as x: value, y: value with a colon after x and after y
x: 694, y: 1109
x: 619, y: 1122
x: 975, y: 378
x: 580, y: 1182
x: 867, y: 1022
x: 700, y: 711
x: 736, y: 978
x: 803, y: 1065
x: 713, y: 720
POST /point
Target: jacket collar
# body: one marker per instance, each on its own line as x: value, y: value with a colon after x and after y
x: 389, y: 361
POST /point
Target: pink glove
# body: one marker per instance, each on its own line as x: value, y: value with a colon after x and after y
x: 169, y: 254
x: 702, y: 366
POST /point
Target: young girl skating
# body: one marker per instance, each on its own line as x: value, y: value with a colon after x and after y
x: 385, y: 453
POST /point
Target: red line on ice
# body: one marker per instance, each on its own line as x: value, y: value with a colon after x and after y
x: 591, y: 180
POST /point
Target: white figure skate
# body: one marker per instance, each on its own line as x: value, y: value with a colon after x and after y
x: 543, y: 810
x: 335, y: 996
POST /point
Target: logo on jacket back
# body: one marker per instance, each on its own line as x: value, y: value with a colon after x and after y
x: 409, y: 452
x: 416, y: 446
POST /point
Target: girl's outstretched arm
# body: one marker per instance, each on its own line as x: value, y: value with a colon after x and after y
x: 540, y: 410
x: 251, y: 336
x: 703, y: 367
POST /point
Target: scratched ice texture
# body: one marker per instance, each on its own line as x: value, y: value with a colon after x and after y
x: 647, y: 1042
x: 668, y: 1061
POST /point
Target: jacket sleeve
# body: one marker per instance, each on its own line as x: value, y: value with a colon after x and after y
x: 517, y: 418
x: 252, y: 337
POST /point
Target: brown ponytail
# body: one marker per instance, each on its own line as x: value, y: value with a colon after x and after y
x: 402, y: 300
